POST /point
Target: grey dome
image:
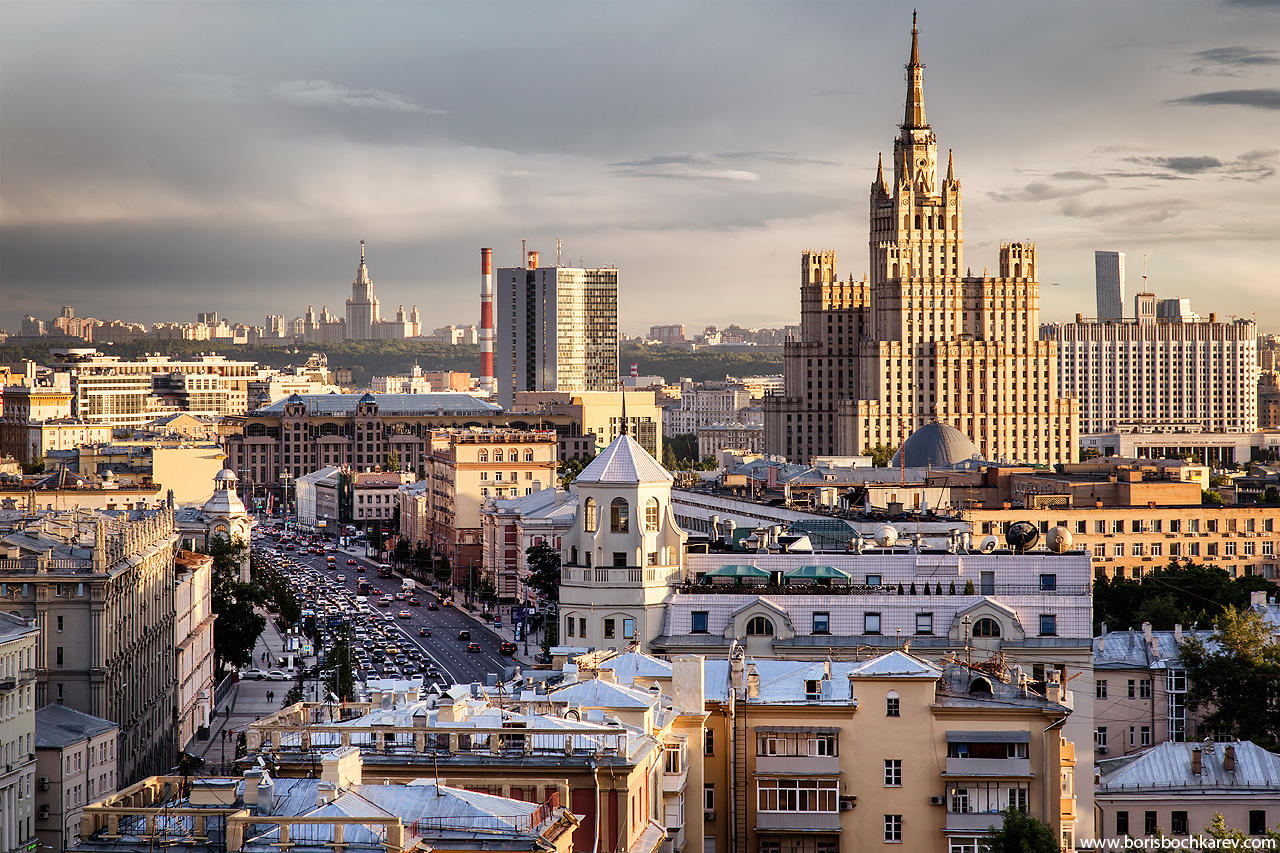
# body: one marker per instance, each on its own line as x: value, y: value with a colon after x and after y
x: 225, y: 475
x: 938, y: 445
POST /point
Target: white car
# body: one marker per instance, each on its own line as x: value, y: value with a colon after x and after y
x: 277, y: 675
x: 255, y: 673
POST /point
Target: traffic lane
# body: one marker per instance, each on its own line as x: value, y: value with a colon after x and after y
x: 451, y: 654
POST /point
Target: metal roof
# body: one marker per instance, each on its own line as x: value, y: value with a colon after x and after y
x: 624, y: 462
x: 1168, y: 766
x: 58, y: 726
x: 438, y: 402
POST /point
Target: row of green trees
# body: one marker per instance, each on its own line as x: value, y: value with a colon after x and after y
x: 1182, y: 593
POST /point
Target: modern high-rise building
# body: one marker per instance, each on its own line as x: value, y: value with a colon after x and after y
x: 1108, y: 275
x: 363, y: 308
x: 1157, y: 373
x: 556, y: 329
x: 922, y: 338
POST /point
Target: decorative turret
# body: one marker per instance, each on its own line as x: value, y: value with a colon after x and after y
x: 914, y: 116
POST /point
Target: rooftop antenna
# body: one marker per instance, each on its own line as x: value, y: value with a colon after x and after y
x: 1144, y: 272
x: 524, y: 253
x: 623, y: 390
x: 559, y: 248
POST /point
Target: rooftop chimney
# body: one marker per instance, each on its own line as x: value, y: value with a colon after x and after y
x: 343, y: 767
x: 1196, y: 765
x: 1229, y: 758
x: 753, y: 682
x: 687, y: 685
x: 1177, y: 633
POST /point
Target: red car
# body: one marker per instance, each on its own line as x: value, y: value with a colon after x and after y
x: 508, y: 648
x: 351, y: 562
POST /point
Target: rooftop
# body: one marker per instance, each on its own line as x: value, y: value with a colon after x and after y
x: 1170, y: 766
x: 435, y: 403
x: 58, y: 726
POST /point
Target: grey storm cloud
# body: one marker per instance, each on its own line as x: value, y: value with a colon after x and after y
x: 1238, y: 55
x: 1262, y: 99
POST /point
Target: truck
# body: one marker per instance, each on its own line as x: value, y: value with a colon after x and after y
x: 407, y: 586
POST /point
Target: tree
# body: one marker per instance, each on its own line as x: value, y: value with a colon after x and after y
x: 543, y: 562
x: 1210, y: 497
x: 393, y: 461
x: 1238, y: 677
x: 571, y: 468
x: 1183, y: 593
x: 1021, y: 833
x: 341, y: 679
x: 402, y: 552
x: 1270, y: 495
x: 881, y: 454
x: 1219, y: 831
x: 238, y: 624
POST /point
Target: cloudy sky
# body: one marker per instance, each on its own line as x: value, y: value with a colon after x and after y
x: 160, y: 158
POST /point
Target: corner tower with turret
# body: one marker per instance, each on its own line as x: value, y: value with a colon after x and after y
x: 624, y: 552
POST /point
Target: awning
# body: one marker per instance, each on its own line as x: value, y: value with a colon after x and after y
x: 988, y: 737
x: 816, y: 573
x: 823, y: 730
x: 737, y: 571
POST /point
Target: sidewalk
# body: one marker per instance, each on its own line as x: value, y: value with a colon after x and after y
x: 507, y: 633
x: 245, y: 702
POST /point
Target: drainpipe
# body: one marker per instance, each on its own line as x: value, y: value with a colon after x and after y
x: 595, y: 780
x: 732, y: 774
x: 1044, y: 760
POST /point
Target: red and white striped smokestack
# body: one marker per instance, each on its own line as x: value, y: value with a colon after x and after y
x: 635, y: 370
x: 486, y: 381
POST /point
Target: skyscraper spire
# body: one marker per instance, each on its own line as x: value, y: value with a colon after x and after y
x: 951, y: 169
x: 624, y: 430
x: 914, y: 116
x: 880, y: 171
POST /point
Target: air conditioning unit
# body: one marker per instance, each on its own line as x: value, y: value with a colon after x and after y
x: 43, y: 814
x: 708, y: 814
x: 44, y: 783
x: 847, y: 803
x: 1102, y: 750
x: 937, y: 801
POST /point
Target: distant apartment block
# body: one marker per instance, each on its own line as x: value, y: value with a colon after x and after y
x: 1109, y: 282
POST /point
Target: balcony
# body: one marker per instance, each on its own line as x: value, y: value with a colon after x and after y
x: 1007, y: 767
x: 798, y: 765
x: 972, y: 821
x: 797, y: 821
x: 674, y: 783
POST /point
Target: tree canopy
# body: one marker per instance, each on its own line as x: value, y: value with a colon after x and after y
x: 543, y: 562
x: 1180, y: 593
x: 1237, y: 675
x: 239, y: 624
x: 1021, y: 833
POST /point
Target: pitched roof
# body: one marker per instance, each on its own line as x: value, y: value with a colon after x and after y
x: 59, y: 726
x: 1168, y: 765
x: 437, y: 402
x: 624, y: 462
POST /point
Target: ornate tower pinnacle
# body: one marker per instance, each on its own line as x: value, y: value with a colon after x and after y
x: 951, y: 169
x: 914, y: 115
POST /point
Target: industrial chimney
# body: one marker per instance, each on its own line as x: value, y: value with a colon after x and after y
x: 486, y: 382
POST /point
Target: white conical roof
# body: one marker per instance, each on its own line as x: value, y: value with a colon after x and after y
x: 624, y: 462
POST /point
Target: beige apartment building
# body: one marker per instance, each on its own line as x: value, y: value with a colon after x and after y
x: 193, y: 649
x: 101, y: 589
x: 601, y: 414
x: 1130, y: 541
x: 820, y: 756
x: 922, y: 337
x: 26, y: 407
x: 76, y: 764
x: 18, y: 640
x: 467, y: 468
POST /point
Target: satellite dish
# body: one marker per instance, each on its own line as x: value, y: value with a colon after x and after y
x: 988, y: 544
x: 1022, y: 536
x: 1058, y: 539
x: 886, y: 536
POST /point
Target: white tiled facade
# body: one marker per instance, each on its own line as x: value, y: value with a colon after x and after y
x: 17, y: 731
x: 1160, y: 372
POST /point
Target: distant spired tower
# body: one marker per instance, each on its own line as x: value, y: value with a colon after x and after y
x: 486, y: 382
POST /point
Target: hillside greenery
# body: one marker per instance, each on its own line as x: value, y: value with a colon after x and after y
x: 367, y: 359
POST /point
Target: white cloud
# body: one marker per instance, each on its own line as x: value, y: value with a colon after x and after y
x: 323, y: 93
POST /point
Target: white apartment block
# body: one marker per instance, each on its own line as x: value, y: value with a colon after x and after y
x: 1151, y: 371
x: 703, y: 406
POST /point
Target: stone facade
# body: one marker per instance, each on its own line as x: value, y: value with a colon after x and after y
x: 19, y: 638
x: 922, y: 337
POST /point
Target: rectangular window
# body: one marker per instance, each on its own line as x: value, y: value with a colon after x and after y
x: 59, y: 655
x: 893, y: 772
x: 821, y: 622
x: 1100, y: 688
x: 608, y: 629
x: 1100, y: 738
x: 699, y: 622
x: 568, y: 627
x: 892, y: 706
x: 1144, y: 736
x: 709, y: 797
x: 1149, y: 824
x: 1178, y: 823
x: 582, y: 626
x: 1122, y: 823
x: 628, y: 629
x: 709, y: 742
x: 1048, y: 625
x: 798, y: 795
x: 1132, y: 685
x: 875, y: 580
x: 893, y: 828
x: 1144, y: 688
x: 1048, y: 583
x: 1257, y: 821
x: 619, y: 559
x: 871, y: 623
x: 924, y: 623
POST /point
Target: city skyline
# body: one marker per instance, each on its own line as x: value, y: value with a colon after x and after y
x: 174, y: 158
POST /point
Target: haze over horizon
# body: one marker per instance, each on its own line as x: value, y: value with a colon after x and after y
x: 162, y: 159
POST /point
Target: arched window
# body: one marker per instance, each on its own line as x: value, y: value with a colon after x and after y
x: 980, y: 687
x: 1017, y: 270
x: 483, y: 456
x: 895, y: 270
x: 589, y: 515
x: 619, y: 516
x: 917, y: 220
x: 528, y: 455
x: 758, y: 626
x: 906, y: 221
x: 651, y: 514
x: 953, y: 222
x: 497, y: 455
x: 986, y: 627
x: 573, y: 555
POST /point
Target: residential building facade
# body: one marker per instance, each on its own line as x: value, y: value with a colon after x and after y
x: 510, y: 527
x: 1109, y: 283
x: 193, y: 647
x: 921, y: 337
x: 76, y: 764
x: 556, y: 329
x: 101, y: 588
x: 600, y: 415
x: 19, y: 640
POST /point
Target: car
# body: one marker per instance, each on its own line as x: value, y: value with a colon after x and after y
x: 360, y: 569
x: 464, y: 634
x: 405, y: 614
x: 413, y: 601
x: 445, y: 602
x: 390, y: 617
x: 352, y: 562
x: 399, y: 596
x: 508, y: 648
x: 342, y: 578
x: 424, y: 632
x: 473, y: 647
x: 256, y: 674
x: 277, y: 675
x: 431, y: 605
x: 433, y: 671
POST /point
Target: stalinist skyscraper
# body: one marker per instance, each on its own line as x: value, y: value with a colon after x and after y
x: 364, y: 311
x: 921, y: 338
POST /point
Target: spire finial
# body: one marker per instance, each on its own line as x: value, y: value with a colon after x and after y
x: 880, y: 169
x: 362, y: 251
x: 951, y: 170
x: 625, y: 430
x: 914, y: 117
x: 915, y: 40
